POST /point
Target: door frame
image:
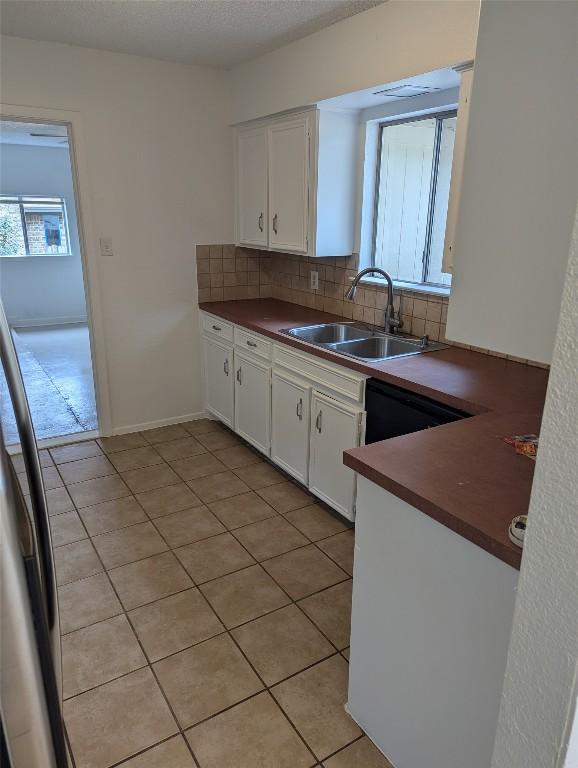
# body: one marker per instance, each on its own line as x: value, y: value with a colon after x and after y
x: 89, y: 255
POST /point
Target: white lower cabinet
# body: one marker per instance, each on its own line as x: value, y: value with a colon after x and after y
x: 290, y: 420
x: 219, y: 380
x: 253, y: 401
x: 335, y: 427
x: 269, y: 394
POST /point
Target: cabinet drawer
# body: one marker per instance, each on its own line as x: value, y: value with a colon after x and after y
x: 217, y: 327
x: 326, y: 376
x: 250, y: 342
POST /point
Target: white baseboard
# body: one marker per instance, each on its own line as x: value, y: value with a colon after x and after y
x: 41, y: 322
x: 161, y: 423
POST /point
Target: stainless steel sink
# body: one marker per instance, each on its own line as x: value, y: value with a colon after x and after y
x: 360, y: 341
x: 377, y: 347
x: 330, y: 333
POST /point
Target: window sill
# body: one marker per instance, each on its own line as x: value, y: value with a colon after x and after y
x: 43, y: 256
x: 399, y: 285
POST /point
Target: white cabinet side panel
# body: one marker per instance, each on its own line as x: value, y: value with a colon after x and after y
x: 431, y: 624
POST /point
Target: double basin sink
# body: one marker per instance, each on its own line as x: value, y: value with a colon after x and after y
x: 361, y: 341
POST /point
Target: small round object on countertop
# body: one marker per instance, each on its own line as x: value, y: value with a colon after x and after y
x: 517, y: 530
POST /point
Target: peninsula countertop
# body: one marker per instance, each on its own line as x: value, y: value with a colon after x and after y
x: 461, y: 474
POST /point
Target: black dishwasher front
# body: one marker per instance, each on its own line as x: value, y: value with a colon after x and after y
x: 392, y: 411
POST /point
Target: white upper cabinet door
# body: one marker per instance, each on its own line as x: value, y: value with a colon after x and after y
x: 335, y: 427
x: 253, y: 401
x: 219, y: 380
x: 252, y: 216
x: 466, y: 74
x: 289, y: 185
x: 290, y: 420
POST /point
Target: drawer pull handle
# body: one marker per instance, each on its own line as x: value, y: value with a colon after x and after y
x: 217, y: 328
x: 318, y: 421
x: 251, y: 343
x: 239, y: 376
x: 299, y: 409
x: 261, y: 221
x: 275, y: 230
x: 226, y: 367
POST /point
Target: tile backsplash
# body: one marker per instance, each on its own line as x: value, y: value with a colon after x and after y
x: 227, y: 272
x: 421, y: 312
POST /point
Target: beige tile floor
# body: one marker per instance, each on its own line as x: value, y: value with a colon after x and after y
x: 205, y: 605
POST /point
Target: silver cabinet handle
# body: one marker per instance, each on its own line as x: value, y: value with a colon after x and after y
x: 261, y: 221
x: 299, y: 409
x: 318, y: 421
x: 275, y: 224
x: 251, y: 343
x: 239, y: 378
x: 226, y: 367
x: 217, y: 328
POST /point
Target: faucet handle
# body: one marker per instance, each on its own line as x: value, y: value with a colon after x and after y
x: 393, y: 320
x: 424, y: 341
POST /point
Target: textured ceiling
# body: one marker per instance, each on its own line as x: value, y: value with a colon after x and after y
x: 217, y: 33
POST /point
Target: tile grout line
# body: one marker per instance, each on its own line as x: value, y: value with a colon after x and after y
x: 203, y: 503
x: 265, y: 686
x: 172, y: 549
x: 196, y: 585
x: 124, y: 761
x: 148, y: 664
x: 226, y: 631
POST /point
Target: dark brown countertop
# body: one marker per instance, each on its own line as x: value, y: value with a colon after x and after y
x: 462, y: 474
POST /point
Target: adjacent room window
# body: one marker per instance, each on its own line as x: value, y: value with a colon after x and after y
x: 412, y: 191
x: 33, y: 226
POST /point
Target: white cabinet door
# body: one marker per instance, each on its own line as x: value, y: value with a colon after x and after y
x: 253, y: 401
x: 252, y: 216
x: 219, y: 380
x: 289, y: 185
x: 335, y: 427
x: 290, y: 420
x: 467, y: 74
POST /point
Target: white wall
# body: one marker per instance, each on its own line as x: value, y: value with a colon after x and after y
x: 540, y: 686
x: 520, y: 179
x: 159, y: 166
x: 395, y: 40
x: 41, y: 290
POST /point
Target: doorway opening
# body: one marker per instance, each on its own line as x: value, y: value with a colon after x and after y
x: 42, y: 283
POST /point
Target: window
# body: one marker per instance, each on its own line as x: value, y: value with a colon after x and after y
x: 412, y: 192
x: 33, y: 226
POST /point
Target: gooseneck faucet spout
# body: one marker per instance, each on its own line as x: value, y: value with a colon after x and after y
x: 391, y: 323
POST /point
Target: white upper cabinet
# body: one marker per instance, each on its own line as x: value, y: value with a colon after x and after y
x: 466, y: 74
x: 299, y: 171
x: 252, y: 214
x: 289, y: 185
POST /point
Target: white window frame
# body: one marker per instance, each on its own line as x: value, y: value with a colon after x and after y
x: 439, y: 116
x: 43, y: 204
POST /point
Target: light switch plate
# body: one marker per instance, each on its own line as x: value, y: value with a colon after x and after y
x: 106, y: 247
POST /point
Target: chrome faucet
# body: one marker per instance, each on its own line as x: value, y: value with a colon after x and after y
x: 391, y: 323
